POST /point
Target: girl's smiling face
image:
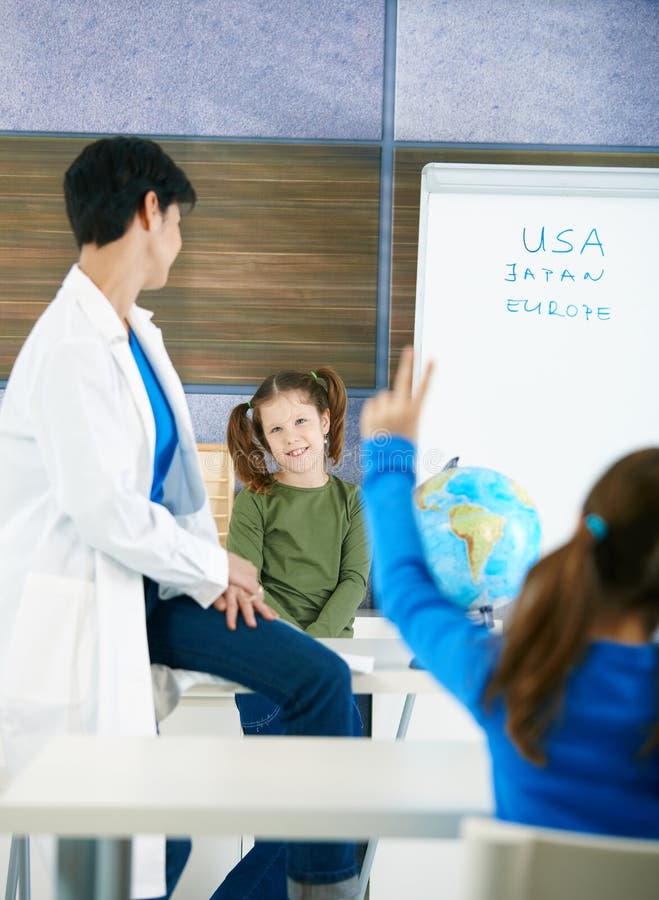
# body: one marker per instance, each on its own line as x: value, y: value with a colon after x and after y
x: 295, y: 432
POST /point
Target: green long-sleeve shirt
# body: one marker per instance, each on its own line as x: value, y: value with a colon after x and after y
x: 309, y: 546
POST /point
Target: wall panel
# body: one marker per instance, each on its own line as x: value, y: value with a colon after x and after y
x: 236, y: 68
x: 278, y: 267
x: 524, y: 72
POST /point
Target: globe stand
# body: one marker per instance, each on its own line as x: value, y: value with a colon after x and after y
x: 483, y: 614
x: 487, y: 613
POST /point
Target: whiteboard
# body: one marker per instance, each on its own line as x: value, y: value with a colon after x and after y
x: 538, y: 298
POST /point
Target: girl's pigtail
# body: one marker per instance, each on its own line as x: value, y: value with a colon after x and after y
x: 337, y: 399
x: 608, y: 571
x: 547, y: 636
x: 248, y: 456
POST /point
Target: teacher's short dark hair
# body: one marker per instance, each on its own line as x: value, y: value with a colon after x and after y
x: 106, y: 184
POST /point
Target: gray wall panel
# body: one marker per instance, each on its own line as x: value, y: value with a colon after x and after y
x: 256, y: 68
x: 521, y: 71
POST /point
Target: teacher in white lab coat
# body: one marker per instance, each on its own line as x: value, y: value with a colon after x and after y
x: 109, y: 557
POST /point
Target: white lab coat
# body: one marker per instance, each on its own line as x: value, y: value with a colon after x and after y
x: 78, y: 532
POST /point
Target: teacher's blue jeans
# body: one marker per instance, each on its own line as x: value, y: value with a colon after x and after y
x: 310, y: 684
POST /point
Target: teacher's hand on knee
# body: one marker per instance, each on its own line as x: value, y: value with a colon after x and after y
x: 235, y: 600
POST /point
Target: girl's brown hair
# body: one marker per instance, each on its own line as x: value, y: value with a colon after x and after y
x: 246, y: 441
x: 590, y: 579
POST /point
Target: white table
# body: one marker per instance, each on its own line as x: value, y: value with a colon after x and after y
x: 113, y: 787
x: 118, y: 786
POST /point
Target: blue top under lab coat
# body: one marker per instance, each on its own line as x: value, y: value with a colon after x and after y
x: 166, y: 435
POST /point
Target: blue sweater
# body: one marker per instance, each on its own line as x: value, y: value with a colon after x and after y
x: 594, y: 779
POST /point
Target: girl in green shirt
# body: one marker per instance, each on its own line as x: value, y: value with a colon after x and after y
x: 303, y: 529
x: 301, y: 526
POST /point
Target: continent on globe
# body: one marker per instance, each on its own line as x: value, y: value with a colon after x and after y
x: 480, y: 533
x: 432, y: 486
x: 480, y: 529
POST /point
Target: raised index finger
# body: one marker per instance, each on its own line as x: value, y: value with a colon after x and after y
x: 403, y: 377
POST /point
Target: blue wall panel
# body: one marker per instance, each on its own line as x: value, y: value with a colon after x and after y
x: 523, y: 71
x: 254, y: 68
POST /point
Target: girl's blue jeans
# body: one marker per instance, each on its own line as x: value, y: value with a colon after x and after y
x: 310, y: 684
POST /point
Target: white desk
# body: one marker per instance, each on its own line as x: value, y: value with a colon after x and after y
x: 113, y: 787
x: 83, y: 785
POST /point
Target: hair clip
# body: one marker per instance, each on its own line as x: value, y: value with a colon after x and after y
x: 249, y: 404
x: 315, y: 377
x: 597, y: 526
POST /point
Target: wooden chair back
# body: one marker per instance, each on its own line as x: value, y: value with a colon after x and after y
x: 219, y: 479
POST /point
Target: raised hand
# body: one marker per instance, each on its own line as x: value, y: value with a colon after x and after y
x: 397, y: 411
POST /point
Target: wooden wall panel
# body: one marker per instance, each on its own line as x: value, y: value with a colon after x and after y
x: 408, y: 163
x: 278, y: 267
x: 36, y: 245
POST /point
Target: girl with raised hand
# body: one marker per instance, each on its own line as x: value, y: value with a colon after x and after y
x: 569, y: 696
x: 302, y: 528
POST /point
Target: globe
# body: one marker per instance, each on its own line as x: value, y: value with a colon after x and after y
x: 480, y: 532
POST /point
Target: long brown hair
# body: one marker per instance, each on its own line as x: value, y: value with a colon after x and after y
x: 612, y: 573
x: 247, y: 444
